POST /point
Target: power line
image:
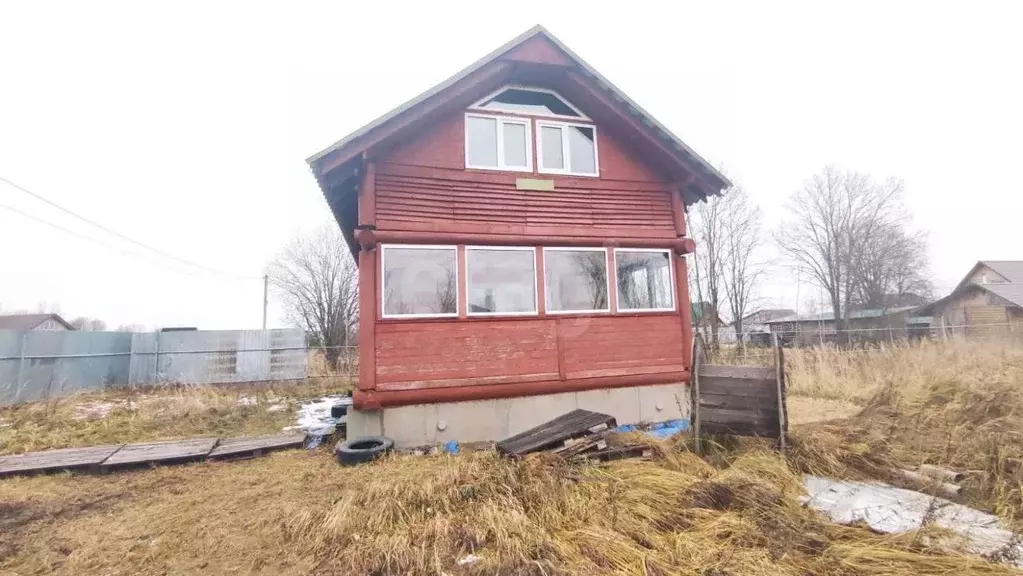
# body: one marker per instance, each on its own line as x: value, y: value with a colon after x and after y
x: 115, y: 233
x: 89, y: 238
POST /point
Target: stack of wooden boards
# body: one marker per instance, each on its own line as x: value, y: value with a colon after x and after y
x: 579, y: 434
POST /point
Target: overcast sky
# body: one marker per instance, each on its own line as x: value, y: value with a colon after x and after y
x: 186, y: 127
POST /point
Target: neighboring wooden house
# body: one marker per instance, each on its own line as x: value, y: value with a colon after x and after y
x: 988, y: 300
x: 519, y: 231
x: 43, y: 322
x: 755, y: 327
x: 879, y: 324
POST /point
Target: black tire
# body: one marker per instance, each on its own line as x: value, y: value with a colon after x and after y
x: 338, y: 410
x: 365, y: 449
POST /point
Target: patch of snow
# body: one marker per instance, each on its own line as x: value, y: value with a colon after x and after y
x: 247, y: 401
x: 277, y: 408
x: 314, y: 417
x: 97, y: 410
x: 890, y: 510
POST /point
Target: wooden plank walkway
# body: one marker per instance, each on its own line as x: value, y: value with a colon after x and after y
x: 163, y: 451
x: 52, y: 460
x: 114, y: 456
x: 236, y: 448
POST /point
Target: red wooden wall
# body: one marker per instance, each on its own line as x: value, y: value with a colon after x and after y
x: 422, y: 187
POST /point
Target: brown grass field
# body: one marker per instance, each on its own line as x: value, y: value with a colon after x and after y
x: 734, y: 512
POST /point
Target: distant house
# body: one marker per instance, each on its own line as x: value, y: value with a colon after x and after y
x: 755, y: 327
x: 988, y: 300
x: 52, y: 322
x: 876, y: 324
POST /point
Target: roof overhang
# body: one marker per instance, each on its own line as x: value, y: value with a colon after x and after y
x: 534, y: 57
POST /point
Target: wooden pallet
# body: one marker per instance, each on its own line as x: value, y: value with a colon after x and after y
x: 56, y: 460
x: 240, y: 448
x: 166, y: 451
x: 555, y: 433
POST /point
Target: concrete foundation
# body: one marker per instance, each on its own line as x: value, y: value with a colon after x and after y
x: 493, y: 420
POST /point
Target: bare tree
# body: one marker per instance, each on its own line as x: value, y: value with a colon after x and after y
x: 317, y: 281
x: 893, y: 263
x: 707, y: 229
x: 832, y: 218
x: 740, y: 237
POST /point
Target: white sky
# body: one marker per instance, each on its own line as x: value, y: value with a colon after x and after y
x: 186, y: 126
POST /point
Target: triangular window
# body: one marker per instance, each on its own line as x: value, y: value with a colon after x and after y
x: 530, y: 101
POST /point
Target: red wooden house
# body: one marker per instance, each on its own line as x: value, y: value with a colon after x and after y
x: 520, y: 232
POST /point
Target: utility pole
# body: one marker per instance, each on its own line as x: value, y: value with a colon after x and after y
x: 266, y: 288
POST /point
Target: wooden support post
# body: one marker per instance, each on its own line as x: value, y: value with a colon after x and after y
x: 779, y: 366
x: 694, y: 392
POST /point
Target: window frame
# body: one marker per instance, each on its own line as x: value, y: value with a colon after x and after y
x: 547, y: 286
x: 671, y: 282
x: 479, y: 103
x: 501, y: 121
x: 566, y: 153
x: 383, y: 282
x: 536, y: 282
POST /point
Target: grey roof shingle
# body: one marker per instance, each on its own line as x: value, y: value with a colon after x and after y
x: 1011, y: 270
x: 1011, y: 291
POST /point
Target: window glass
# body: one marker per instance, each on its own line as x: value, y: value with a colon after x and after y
x: 576, y: 280
x: 529, y: 102
x: 501, y: 280
x: 644, y: 280
x: 481, y: 141
x: 553, y: 156
x: 514, y: 144
x: 420, y: 281
x: 581, y: 150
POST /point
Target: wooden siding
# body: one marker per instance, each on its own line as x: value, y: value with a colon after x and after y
x: 424, y: 186
x: 449, y: 353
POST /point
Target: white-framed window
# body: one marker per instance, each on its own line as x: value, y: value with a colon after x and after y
x: 419, y: 281
x: 501, y: 280
x: 576, y: 280
x: 644, y: 280
x: 566, y: 148
x: 531, y: 101
x: 498, y: 143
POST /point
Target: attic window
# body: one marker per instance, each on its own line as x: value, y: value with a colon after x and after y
x: 531, y: 101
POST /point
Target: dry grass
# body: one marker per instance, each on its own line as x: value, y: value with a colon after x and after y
x: 958, y: 405
x: 736, y: 512
x: 298, y: 513
x: 162, y: 413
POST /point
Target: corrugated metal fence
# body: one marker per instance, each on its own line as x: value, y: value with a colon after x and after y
x: 37, y: 365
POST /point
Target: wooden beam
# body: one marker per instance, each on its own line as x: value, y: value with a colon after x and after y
x: 368, y: 196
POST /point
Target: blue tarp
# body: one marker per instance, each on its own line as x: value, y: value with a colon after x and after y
x: 658, y: 429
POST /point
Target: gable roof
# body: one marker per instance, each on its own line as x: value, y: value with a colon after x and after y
x: 1011, y: 291
x: 1011, y: 270
x: 29, y: 321
x: 350, y: 147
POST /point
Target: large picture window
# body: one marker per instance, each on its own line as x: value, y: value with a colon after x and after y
x: 500, y: 280
x: 497, y: 142
x: 419, y: 281
x: 566, y: 148
x: 644, y: 280
x: 576, y: 279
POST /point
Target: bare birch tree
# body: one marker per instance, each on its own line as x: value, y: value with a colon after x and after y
x: 317, y: 280
x: 831, y: 219
x: 741, y: 270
